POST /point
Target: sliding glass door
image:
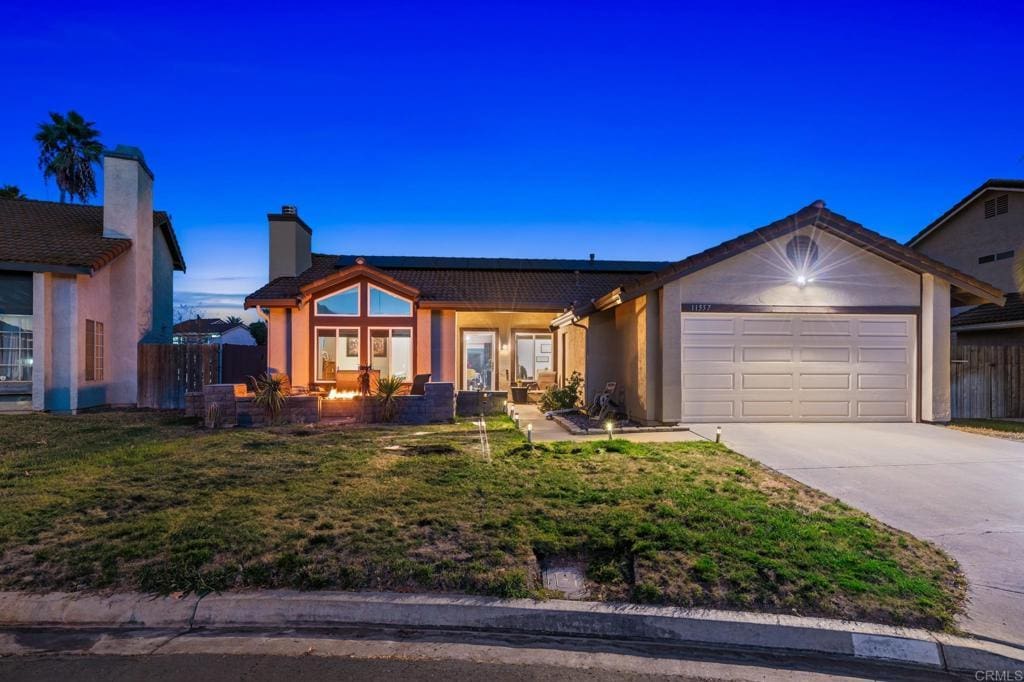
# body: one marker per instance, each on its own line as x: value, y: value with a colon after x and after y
x: 478, y: 360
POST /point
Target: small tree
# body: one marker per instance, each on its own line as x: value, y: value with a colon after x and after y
x: 69, y: 147
x: 11, y: 192
x: 258, y: 330
x: 233, y: 319
x: 184, y: 312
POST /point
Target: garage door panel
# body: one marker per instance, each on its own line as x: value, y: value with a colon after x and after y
x: 782, y: 367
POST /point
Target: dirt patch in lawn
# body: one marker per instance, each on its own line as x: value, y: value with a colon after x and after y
x: 143, y: 501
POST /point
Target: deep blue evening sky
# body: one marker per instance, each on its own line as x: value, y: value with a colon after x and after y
x: 630, y: 129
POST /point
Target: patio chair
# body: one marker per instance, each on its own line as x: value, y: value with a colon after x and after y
x: 419, y: 383
x: 604, y: 405
x: 546, y: 380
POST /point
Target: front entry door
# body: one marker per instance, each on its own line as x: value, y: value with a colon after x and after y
x: 478, y: 361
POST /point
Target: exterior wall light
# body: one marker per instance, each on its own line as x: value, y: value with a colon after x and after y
x: 803, y: 280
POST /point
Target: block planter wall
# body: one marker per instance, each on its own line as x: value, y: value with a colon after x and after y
x: 472, y: 403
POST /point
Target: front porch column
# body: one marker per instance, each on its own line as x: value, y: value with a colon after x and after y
x: 40, y: 339
x: 935, y: 359
x: 423, y: 344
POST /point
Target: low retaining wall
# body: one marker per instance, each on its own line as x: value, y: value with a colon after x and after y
x: 236, y: 407
x: 474, y: 403
x: 437, y: 404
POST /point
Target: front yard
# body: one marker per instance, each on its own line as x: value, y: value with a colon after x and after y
x: 135, y: 500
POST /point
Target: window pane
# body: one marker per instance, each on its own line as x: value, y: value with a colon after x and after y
x: 478, y: 354
x: 524, y: 358
x: 379, y: 351
x: 15, y: 348
x: 342, y: 303
x: 348, y: 349
x: 401, y: 353
x: 383, y: 303
x: 534, y: 354
x: 326, y: 357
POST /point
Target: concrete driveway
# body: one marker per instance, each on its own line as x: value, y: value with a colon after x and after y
x: 962, y: 491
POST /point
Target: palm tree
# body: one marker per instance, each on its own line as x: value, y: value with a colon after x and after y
x: 11, y: 192
x: 68, y: 148
x: 233, y: 319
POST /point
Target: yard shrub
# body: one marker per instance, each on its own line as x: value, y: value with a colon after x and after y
x: 388, y: 389
x: 566, y: 397
x: 269, y: 394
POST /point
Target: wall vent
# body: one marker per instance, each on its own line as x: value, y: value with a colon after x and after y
x: 997, y: 206
x: 289, y: 209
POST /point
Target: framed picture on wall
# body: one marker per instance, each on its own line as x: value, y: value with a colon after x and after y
x: 545, y: 347
x: 352, y: 347
x: 380, y: 347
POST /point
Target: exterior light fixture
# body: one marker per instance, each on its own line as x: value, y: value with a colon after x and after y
x: 529, y: 433
x: 515, y: 416
x: 718, y: 434
x: 801, y: 280
x: 609, y: 426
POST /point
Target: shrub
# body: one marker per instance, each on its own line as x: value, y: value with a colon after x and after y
x: 388, y: 389
x: 269, y: 394
x: 567, y: 397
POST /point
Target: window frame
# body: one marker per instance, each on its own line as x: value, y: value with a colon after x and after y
x: 359, y: 302
x: 316, y: 346
x: 95, y: 340
x: 24, y: 350
x: 369, y: 303
x: 516, y: 333
x: 390, y: 330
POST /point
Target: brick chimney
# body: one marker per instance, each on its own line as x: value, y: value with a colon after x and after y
x: 290, y: 242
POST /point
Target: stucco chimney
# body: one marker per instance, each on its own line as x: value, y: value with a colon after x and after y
x: 290, y: 239
x: 128, y: 214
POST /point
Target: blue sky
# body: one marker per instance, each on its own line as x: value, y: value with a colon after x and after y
x: 545, y: 129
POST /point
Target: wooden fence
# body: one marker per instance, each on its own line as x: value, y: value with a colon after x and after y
x: 167, y: 371
x: 987, y: 382
x: 238, y: 363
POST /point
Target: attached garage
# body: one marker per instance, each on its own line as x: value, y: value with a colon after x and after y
x: 798, y: 367
x: 811, y: 318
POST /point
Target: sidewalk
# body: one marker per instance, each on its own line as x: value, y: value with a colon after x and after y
x: 735, y: 633
x: 547, y: 430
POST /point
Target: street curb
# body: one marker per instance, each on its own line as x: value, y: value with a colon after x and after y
x: 723, y: 630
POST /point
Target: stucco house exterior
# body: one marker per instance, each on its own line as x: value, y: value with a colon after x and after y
x: 810, y: 318
x: 213, y: 330
x: 80, y: 288
x: 983, y: 235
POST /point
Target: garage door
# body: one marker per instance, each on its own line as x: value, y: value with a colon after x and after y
x: 780, y: 367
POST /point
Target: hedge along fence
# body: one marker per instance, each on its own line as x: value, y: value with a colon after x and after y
x: 987, y: 382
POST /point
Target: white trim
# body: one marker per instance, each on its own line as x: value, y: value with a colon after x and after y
x: 316, y: 350
x: 966, y: 202
x: 494, y: 356
x: 369, y: 306
x: 359, y: 302
x: 1012, y: 324
x: 390, y: 330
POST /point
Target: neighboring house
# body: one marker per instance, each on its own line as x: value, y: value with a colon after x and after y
x: 812, y: 318
x: 213, y: 330
x: 983, y: 235
x: 80, y: 288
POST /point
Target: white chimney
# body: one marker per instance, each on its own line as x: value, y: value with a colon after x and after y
x: 290, y: 243
x: 128, y: 214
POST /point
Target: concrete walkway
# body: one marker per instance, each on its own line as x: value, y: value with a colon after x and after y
x: 547, y: 430
x: 964, y: 492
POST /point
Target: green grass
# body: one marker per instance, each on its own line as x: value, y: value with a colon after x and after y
x: 988, y: 425
x: 135, y: 500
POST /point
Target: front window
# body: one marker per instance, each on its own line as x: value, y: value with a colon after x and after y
x: 337, y: 349
x: 383, y: 304
x: 345, y: 302
x: 391, y: 352
x: 94, y: 350
x: 534, y: 354
x: 478, y: 360
x: 15, y: 348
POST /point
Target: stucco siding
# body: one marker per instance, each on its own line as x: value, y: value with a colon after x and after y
x: 163, y: 290
x: 603, y: 363
x: 968, y: 235
x: 94, y: 303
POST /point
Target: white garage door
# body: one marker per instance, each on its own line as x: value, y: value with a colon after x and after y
x: 780, y: 367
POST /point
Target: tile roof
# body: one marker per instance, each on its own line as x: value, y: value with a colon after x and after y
x: 205, y: 325
x: 992, y: 184
x: 48, y: 235
x: 1013, y: 311
x: 481, y: 283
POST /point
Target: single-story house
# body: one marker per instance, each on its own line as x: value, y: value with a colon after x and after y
x: 983, y: 235
x: 213, y: 330
x: 80, y: 288
x: 810, y: 318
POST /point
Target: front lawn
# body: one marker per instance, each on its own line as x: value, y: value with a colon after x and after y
x: 135, y: 500
x: 990, y: 427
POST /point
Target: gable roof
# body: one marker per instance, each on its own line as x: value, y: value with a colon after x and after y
x: 989, y: 315
x: 471, y: 283
x: 49, y: 236
x: 206, y: 325
x: 815, y: 215
x: 994, y: 184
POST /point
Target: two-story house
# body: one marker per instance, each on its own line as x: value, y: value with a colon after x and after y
x: 983, y: 236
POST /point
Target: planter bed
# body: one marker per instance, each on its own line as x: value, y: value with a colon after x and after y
x: 576, y: 423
